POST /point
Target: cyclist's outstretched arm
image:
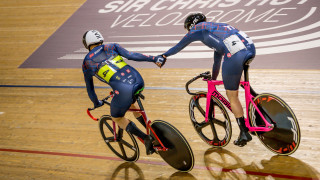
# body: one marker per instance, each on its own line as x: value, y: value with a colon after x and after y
x: 133, y: 55
x: 185, y: 41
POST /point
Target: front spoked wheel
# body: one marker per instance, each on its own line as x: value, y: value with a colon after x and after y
x: 124, y: 145
x: 284, y: 139
x: 179, y: 154
x: 217, y: 131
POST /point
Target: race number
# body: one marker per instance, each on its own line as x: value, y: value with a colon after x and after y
x: 234, y: 44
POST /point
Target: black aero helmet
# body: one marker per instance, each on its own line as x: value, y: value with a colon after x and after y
x: 194, y: 19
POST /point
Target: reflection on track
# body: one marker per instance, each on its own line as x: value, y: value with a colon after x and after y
x: 130, y: 170
x: 223, y: 164
x: 182, y: 175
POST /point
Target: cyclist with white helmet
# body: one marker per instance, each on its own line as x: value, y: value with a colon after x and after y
x: 228, y: 42
x: 106, y: 63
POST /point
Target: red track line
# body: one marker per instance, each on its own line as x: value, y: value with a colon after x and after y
x: 157, y: 163
x: 79, y: 155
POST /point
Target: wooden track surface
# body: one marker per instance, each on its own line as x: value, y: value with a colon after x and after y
x: 46, y: 134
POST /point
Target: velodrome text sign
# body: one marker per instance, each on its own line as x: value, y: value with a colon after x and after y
x: 286, y: 32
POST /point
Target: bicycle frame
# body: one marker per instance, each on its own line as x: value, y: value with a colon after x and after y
x: 147, y: 122
x: 148, y: 127
x: 212, y: 91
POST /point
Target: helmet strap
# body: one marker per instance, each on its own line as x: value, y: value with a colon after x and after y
x: 94, y: 45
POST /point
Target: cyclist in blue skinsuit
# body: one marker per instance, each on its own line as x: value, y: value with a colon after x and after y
x: 235, y: 46
x: 106, y: 63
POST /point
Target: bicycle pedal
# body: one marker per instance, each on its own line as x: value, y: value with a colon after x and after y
x: 240, y: 144
x: 150, y: 152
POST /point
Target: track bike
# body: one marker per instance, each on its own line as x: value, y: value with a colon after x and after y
x: 267, y: 116
x: 168, y: 142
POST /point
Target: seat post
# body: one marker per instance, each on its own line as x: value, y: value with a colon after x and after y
x: 139, y: 103
x: 246, y: 72
x: 246, y: 78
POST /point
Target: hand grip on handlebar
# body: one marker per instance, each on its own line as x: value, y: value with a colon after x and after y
x: 90, y: 115
x: 205, y: 75
x: 189, y: 82
x: 105, y: 101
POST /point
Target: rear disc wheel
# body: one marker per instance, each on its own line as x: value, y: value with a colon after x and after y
x: 284, y: 138
x: 179, y: 154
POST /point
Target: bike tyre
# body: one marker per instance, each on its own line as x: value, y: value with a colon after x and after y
x: 125, y: 147
x: 179, y: 154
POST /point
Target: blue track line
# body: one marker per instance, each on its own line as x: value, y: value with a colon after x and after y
x: 101, y: 87
x: 37, y: 86
x: 158, y: 88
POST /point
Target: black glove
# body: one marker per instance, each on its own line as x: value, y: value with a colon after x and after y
x: 100, y: 103
x: 160, y: 60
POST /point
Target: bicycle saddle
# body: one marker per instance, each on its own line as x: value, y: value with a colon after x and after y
x: 248, y: 59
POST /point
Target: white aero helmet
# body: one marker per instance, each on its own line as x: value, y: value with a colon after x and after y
x: 92, y: 37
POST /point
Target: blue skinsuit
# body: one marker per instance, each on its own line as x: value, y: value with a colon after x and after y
x: 106, y: 64
x: 220, y: 37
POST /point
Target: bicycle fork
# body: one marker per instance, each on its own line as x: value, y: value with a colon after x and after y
x: 213, y: 92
